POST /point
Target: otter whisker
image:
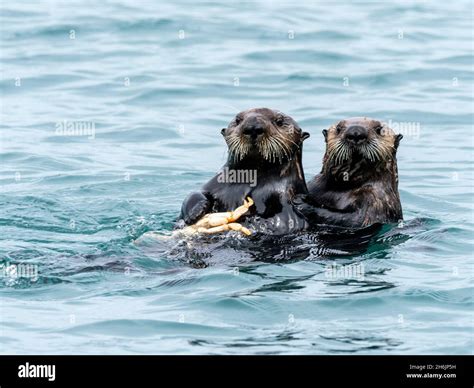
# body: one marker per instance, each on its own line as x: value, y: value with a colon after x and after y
x: 280, y: 149
x: 368, y: 151
x: 266, y: 148
x: 283, y: 145
x: 275, y: 147
x: 288, y: 140
x: 268, y: 154
x: 374, y: 153
x: 340, y: 152
x: 237, y: 149
x: 333, y: 150
x: 376, y: 150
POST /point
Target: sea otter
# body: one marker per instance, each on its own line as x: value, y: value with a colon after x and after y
x: 264, y: 164
x: 358, y: 184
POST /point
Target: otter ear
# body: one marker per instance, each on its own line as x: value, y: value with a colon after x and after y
x: 223, y: 131
x: 325, y: 133
x: 397, y: 140
x: 304, y: 136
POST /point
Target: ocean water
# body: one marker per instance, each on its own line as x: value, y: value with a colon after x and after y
x: 111, y: 114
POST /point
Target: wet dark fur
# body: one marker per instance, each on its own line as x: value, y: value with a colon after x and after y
x: 358, y: 188
x: 279, y: 174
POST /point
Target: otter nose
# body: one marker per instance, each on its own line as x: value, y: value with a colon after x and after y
x: 253, y: 128
x: 356, y: 134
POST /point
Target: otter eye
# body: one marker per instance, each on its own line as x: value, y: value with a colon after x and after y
x: 279, y: 120
x: 238, y: 120
x: 338, y: 128
x: 378, y: 129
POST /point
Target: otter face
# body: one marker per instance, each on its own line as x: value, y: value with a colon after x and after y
x: 369, y: 139
x: 263, y: 133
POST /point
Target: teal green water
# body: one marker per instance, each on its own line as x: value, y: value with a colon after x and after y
x: 158, y: 82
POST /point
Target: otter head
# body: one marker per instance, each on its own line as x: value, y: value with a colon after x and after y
x: 263, y: 134
x: 359, y: 147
